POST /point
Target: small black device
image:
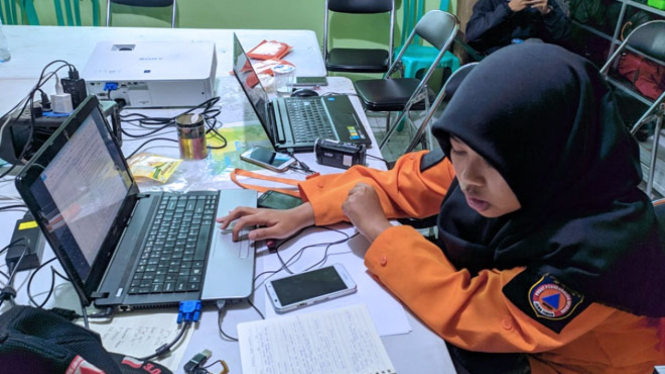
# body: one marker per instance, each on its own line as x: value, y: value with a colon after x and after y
x: 304, y: 92
x: 197, y: 361
x: 19, y: 143
x: 268, y: 158
x: 339, y: 155
x: 75, y: 86
x: 299, y: 290
x: 310, y: 81
x: 28, y: 245
x: 16, y: 134
x: 277, y: 200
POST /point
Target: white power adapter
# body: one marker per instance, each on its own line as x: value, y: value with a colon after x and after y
x: 61, y: 101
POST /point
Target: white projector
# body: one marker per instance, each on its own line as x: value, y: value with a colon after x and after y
x: 152, y: 74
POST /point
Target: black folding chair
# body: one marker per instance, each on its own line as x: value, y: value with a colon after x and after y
x: 358, y: 60
x: 647, y: 40
x: 400, y: 94
x: 142, y: 3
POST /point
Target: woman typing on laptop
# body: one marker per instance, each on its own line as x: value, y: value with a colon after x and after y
x: 549, y: 257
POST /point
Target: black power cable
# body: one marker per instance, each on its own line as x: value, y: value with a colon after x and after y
x: 28, y: 102
x: 156, y: 124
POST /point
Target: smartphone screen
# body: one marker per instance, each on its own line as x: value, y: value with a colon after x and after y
x: 310, y: 287
x: 277, y: 200
x: 267, y: 158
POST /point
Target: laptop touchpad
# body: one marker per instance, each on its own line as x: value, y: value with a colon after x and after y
x: 244, y: 243
x: 226, y: 247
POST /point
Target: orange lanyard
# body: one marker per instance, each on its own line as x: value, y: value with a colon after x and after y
x: 288, y: 191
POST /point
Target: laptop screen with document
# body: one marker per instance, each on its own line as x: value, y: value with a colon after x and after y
x: 84, y: 214
x: 79, y: 189
x: 122, y: 248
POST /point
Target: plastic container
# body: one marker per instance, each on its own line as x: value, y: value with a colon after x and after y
x: 4, y: 46
x: 658, y: 4
x: 285, y: 77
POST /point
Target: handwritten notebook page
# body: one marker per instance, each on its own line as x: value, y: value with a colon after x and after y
x: 338, y: 341
x: 140, y: 333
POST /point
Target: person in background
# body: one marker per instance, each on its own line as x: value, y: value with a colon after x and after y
x: 498, y: 23
x: 549, y: 258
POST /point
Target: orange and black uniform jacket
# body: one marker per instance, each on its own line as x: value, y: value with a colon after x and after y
x: 471, y: 311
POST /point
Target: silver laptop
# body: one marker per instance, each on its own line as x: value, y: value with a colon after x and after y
x: 122, y: 248
x: 294, y: 123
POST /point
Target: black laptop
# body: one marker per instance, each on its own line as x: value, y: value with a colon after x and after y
x: 122, y: 248
x: 294, y: 123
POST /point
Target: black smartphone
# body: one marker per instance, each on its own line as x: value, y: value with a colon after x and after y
x: 310, y: 81
x: 277, y: 200
x: 268, y: 159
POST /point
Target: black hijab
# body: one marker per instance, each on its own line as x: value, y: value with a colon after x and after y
x: 546, y: 120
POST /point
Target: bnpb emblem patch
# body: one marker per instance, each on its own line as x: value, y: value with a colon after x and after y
x: 552, y: 300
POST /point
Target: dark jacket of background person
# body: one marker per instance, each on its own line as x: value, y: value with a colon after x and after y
x: 494, y: 25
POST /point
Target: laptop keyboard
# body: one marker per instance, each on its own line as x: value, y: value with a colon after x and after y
x: 174, y: 254
x: 309, y: 120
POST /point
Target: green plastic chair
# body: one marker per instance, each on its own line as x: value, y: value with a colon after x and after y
x: 68, y: 12
x: 16, y: 12
x: 417, y: 56
x: 9, y: 14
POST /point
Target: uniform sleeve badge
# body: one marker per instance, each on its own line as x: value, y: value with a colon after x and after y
x: 550, y: 299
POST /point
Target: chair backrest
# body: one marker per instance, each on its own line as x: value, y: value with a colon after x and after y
x: 68, y: 12
x: 359, y: 7
x: 71, y: 15
x: 413, y: 11
x: 648, y: 39
x: 16, y: 12
x: 145, y: 4
x: 438, y: 28
x: 455, y: 79
x: 351, y: 6
x: 9, y: 13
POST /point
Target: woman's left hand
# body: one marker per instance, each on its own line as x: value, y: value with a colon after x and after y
x: 363, y: 208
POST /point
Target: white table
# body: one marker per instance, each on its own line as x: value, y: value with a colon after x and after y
x: 33, y: 47
x: 419, y: 351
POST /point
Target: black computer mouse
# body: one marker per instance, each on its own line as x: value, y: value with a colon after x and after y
x: 304, y: 92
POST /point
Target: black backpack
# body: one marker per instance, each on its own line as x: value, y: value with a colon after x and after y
x: 39, y: 341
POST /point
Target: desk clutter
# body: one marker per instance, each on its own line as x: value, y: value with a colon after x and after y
x: 40, y: 341
x: 130, y: 75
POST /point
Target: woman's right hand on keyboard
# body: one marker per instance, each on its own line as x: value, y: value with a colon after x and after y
x: 272, y: 223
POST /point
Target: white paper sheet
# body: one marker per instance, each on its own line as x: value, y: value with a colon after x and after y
x: 140, y: 334
x: 339, y: 341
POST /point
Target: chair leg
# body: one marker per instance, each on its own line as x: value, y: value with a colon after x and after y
x: 654, y: 152
x: 108, y: 12
x: 391, y: 129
